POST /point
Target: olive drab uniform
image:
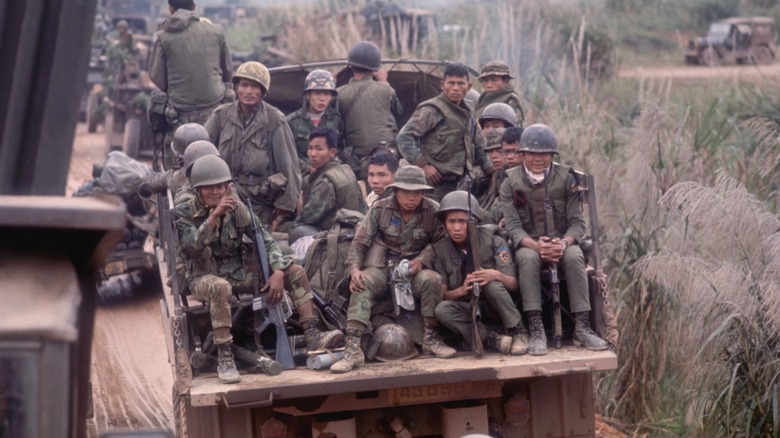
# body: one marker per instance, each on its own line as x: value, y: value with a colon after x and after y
x: 523, y: 207
x: 449, y: 261
x: 301, y: 126
x: 384, y: 229
x: 491, y: 200
x: 447, y: 137
x: 508, y: 96
x: 256, y: 149
x: 369, y: 109
x: 327, y: 190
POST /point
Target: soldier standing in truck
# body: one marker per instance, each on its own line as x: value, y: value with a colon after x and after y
x: 495, y: 79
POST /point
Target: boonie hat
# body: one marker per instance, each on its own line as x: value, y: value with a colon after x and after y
x: 410, y: 178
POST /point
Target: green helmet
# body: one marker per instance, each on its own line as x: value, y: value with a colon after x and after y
x: 410, y: 178
x: 493, y: 139
x: 365, y: 55
x: 195, y: 150
x: 320, y: 80
x: 187, y: 134
x: 495, y: 68
x: 254, y: 71
x: 209, y: 170
x: 538, y: 138
x: 472, y: 96
x: 457, y: 201
x: 395, y: 343
x: 499, y: 111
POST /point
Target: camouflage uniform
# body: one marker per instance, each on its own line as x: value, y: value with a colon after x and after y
x: 369, y: 109
x: 449, y: 262
x: 254, y: 150
x: 447, y: 137
x: 327, y: 190
x: 301, y: 126
x: 523, y: 207
x: 384, y: 229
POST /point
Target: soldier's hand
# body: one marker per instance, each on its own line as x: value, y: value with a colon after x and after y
x: 356, y: 281
x: 281, y: 212
x: 550, y: 250
x: 484, y: 276
x: 275, y: 287
x: 415, y: 266
x: 431, y: 174
x: 226, y: 204
x: 465, y: 289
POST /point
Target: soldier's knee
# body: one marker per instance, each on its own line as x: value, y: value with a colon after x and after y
x: 528, y: 256
x: 427, y: 278
x: 573, y: 256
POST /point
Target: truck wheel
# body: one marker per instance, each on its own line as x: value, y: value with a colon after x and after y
x: 762, y: 55
x: 709, y: 57
x: 92, y: 104
x: 132, y: 138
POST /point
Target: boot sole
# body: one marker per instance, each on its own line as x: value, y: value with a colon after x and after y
x: 580, y: 344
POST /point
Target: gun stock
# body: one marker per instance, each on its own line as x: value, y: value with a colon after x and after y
x: 549, y: 226
x: 473, y: 265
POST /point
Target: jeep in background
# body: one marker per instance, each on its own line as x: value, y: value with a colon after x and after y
x: 738, y: 40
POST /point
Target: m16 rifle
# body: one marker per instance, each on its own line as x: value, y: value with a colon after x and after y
x: 266, y: 314
x: 555, y: 284
x: 335, y: 313
x: 472, y: 264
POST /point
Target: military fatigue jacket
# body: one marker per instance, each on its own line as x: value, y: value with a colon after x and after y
x: 256, y: 151
x: 328, y: 189
x: 507, y: 96
x: 384, y: 225
x: 301, y: 126
x: 445, y: 136
x: 369, y: 109
x: 450, y: 261
x: 190, y: 61
x: 219, y: 251
x: 522, y: 203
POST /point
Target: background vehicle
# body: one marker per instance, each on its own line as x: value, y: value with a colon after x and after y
x: 735, y: 40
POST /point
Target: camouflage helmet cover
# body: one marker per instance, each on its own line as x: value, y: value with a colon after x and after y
x: 457, y: 201
x: 320, y: 80
x: 495, y: 68
x: 366, y: 55
x: 195, y: 150
x: 499, y: 111
x: 493, y: 139
x: 187, y: 134
x: 209, y: 170
x: 538, y: 138
x: 395, y: 343
x: 254, y: 71
x: 410, y: 178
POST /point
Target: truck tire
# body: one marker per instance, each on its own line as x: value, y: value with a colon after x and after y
x: 92, y: 104
x: 132, y: 138
x: 710, y: 58
x: 762, y: 55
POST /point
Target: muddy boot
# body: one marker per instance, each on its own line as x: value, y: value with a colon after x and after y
x: 353, y: 354
x: 226, y: 366
x: 498, y: 342
x: 432, y: 343
x: 519, y: 339
x: 584, y: 335
x: 317, y: 340
x: 537, y: 344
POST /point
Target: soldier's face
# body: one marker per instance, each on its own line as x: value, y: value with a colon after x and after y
x: 456, y: 224
x: 455, y: 88
x: 318, y: 100
x: 379, y: 177
x: 491, y: 124
x: 319, y: 153
x: 493, y: 83
x: 512, y: 158
x: 249, y: 93
x: 408, y: 200
x: 537, y: 162
x: 211, y: 195
x: 496, y: 158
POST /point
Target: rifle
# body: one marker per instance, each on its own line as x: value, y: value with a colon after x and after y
x: 169, y: 239
x: 555, y: 284
x: 472, y: 264
x: 266, y: 315
x: 335, y: 314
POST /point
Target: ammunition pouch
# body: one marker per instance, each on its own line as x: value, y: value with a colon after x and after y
x: 268, y: 191
x: 156, y: 110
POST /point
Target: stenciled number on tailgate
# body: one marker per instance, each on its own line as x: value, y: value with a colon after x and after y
x: 416, y: 394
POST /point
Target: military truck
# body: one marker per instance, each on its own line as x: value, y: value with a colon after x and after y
x: 504, y: 396
x: 737, y: 40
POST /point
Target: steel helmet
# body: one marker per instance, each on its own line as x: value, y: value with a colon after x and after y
x: 499, y: 111
x: 195, y: 150
x: 395, y: 343
x: 187, y: 134
x: 538, y: 138
x: 320, y: 80
x: 366, y: 55
x: 493, y: 139
x: 209, y: 170
x: 254, y: 71
x: 495, y: 68
x: 457, y: 201
x: 472, y: 96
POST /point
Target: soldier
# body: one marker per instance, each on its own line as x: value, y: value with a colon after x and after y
x: 495, y: 78
x: 328, y: 187
x: 510, y: 148
x: 122, y: 37
x: 210, y: 224
x: 381, y: 173
x: 442, y: 136
x: 497, y: 116
x: 403, y: 227
x: 175, y: 178
x: 496, y: 277
x: 369, y: 108
x: 317, y: 111
x: 493, y: 149
x: 255, y: 140
x: 190, y: 62
x: 522, y: 201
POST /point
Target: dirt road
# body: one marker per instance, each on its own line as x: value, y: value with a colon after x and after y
x: 695, y: 73
x: 131, y: 377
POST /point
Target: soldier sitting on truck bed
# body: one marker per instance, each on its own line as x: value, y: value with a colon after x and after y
x: 496, y: 277
x: 211, y: 224
x: 403, y: 227
x: 523, y: 203
x: 175, y: 178
x: 382, y: 167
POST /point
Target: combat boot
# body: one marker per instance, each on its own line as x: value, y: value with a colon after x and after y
x: 226, y: 366
x: 317, y: 340
x: 519, y: 339
x: 537, y: 344
x: 499, y: 342
x: 584, y: 335
x: 432, y: 343
x: 353, y: 354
